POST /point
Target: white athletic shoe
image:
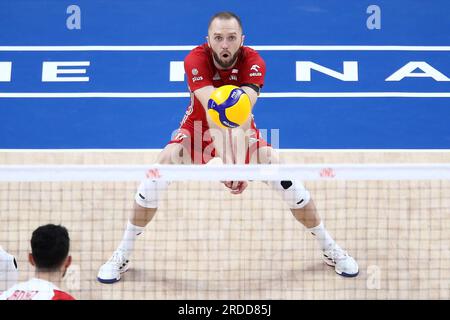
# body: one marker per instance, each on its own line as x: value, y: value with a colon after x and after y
x: 111, y: 271
x: 343, y: 264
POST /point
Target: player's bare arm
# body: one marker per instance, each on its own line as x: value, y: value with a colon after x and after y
x: 237, y: 135
x: 218, y: 134
x: 241, y: 134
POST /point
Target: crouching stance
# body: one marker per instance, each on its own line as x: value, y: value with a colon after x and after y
x: 222, y: 60
x: 292, y: 192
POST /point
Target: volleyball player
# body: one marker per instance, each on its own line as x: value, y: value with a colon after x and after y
x: 222, y: 60
x: 50, y: 258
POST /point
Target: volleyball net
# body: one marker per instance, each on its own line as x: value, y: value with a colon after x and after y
x: 205, y: 243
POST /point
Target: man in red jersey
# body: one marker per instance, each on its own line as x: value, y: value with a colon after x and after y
x: 222, y: 60
x: 50, y: 257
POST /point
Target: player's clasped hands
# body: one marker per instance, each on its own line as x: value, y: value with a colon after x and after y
x: 236, y: 187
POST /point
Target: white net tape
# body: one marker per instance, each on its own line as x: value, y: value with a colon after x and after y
x: 205, y: 243
x: 310, y: 172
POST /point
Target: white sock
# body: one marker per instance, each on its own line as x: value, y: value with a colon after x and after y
x: 129, y: 237
x: 322, y: 236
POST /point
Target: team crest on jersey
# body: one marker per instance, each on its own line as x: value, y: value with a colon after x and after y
x: 255, y: 68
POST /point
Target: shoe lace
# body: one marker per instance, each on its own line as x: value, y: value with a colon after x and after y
x: 337, y: 253
x: 117, y: 258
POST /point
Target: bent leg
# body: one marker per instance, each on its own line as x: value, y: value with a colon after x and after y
x: 304, y: 210
x: 147, y: 197
x: 293, y: 192
x: 150, y: 191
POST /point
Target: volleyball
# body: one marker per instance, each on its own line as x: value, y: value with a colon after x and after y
x: 229, y: 106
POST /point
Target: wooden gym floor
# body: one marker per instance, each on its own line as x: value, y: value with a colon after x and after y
x: 207, y: 244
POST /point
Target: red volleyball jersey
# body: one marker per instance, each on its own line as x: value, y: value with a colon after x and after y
x: 35, y: 289
x: 201, y: 71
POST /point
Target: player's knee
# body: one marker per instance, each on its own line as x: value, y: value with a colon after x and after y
x: 149, y: 193
x: 293, y: 193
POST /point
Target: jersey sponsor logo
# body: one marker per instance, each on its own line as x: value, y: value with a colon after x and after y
x: 234, y: 71
x: 194, y: 79
x: 255, y: 68
x: 190, y: 109
x: 233, y: 77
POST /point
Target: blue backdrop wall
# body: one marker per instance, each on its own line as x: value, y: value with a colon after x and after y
x: 133, y: 94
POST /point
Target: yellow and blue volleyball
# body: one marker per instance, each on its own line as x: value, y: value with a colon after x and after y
x: 229, y: 106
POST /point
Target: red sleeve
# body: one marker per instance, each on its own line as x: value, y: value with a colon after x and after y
x: 197, y: 69
x: 60, y: 295
x: 253, y: 69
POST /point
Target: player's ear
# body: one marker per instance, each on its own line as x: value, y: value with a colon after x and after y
x: 242, y: 41
x: 31, y: 259
x: 68, y: 262
x: 207, y: 41
x: 66, y: 265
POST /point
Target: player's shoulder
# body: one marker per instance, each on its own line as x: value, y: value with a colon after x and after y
x: 11, y: 293
x: 7, y: 293
x: 250, y: 53
x: 61, y: 295
x: 249, y: 50
x: 251, y: 57
x: 199, y: 52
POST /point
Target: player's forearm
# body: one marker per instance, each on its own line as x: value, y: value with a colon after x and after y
x: 244, y: 132
x: 240, y: 141
x: 220, y: 136
x: 238, y: 138
x: 231, y: 144
x: 222, y: 142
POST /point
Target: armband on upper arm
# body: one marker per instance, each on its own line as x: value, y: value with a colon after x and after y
x: 253, y: 86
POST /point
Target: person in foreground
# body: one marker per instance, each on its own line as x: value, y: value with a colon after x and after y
x: 222, y: 60
x: 50, y: 258
x: 9, y: 272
